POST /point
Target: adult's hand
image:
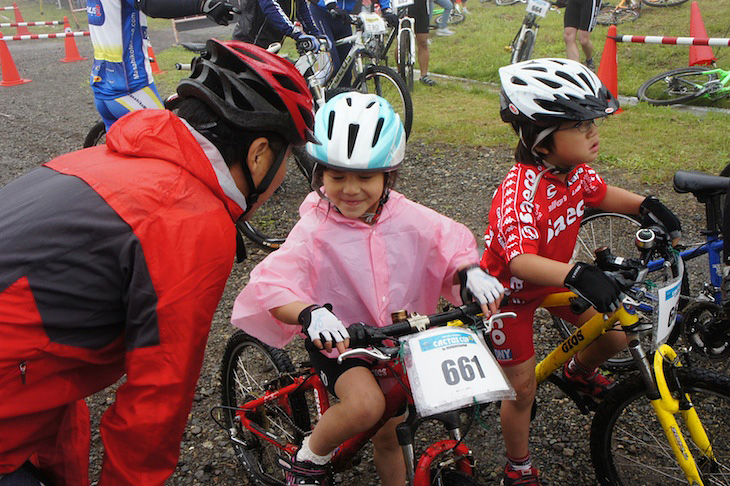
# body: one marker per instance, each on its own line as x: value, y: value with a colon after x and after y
x: 219, y: 11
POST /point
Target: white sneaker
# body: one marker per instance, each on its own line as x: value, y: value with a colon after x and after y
x: 465, y: 11
x: 444, y: 32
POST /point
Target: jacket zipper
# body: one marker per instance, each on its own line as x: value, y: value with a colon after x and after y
x: 23, y: 367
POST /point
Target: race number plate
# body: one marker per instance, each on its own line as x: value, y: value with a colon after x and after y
x: 666, y: 312
x: 373, y: 23
x: 449, y: 368
x: 538, y: 7
x: 401, y: 3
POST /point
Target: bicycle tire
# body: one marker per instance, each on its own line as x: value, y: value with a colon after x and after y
x: 615, y: 231
x: 385, y: 82
x: 663, y: 3
x: 612, y: 16
x: 96, y: 136
x: 675, y: 86
x: 248, y: 368
x: 528, y: 44
x: 405, y: 58
x: 504, y: 3
x: 628, y: 446
x: 456, y: 17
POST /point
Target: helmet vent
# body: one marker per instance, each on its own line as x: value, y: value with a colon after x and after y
x: 331, y: 125
x: 568, y: 77
x: 351, y: 138
x: 378, y: 129
x: 535, y: 68
x: 550, y: 83
x: 266, y: 93
x: 587, y: 81
x: 348, y: 100
x: 286, y: 82
x: 371, y: 104
x: 307, y: 115
x: 518, y: 81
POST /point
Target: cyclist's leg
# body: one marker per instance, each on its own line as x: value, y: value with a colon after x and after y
x: 388, y: 454
x: 448, y: 7
x: 514, y: 349
x: 589, y: 13
x: 333, y: 29
x: 571, y: 22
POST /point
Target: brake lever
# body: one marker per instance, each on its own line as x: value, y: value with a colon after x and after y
x: 489, y: 323
x: 371, y: 352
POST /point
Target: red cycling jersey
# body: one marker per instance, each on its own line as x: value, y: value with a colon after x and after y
x: 534, y: 211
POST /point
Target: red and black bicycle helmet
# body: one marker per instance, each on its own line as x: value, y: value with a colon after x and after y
x: 252, y: 89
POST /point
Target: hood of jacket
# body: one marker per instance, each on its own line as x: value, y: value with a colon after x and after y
x: 160, y: 134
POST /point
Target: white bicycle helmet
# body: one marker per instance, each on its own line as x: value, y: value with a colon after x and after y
x: 358, y: 132
x: 550, y: 91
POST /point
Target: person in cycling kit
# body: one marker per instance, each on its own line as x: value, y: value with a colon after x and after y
x: 554, y: 106
x: 265, y: 22
x: 113, y: 260
x: 121, y: 76
x: 421, y: 25
x: 359, y: 252
x: 333, y: 19
x: 578, y: 23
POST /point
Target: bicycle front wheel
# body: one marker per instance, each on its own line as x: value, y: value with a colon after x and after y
x: 405, y: 58
x: 456, y: 17
x: 675, y: 86
x: 628, y: 445
x: 525, y: 50
x: 386, y: 83
x: 96, y: 136
x: 248, y: 369
x: 663, y: 3
x: 614, y: 16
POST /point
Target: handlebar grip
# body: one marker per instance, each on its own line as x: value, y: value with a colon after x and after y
x: 579, y: 305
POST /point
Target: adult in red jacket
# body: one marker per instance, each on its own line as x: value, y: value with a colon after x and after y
x: 113, y: 260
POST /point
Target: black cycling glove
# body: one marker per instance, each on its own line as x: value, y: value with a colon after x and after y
x: 653, y: 212
x: 595, y: 286
x: 390, y: 17
x: 337, y: 13
x: 219, y: 11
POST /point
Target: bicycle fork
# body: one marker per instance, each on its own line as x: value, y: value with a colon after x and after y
x: 666, y: 407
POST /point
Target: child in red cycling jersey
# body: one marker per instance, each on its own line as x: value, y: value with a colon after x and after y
x: 554, y: 106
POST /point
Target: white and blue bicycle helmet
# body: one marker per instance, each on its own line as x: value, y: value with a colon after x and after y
x: 358, y: 132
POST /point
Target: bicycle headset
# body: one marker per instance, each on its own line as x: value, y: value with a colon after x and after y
x: 252, y: 90
x: 539, y: 94
x: 359, y: 132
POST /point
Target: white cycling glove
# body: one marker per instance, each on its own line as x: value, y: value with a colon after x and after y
x: 320, y: 323
x: 479, y: 284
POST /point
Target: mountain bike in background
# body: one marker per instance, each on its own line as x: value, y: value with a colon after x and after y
x: 524, y: 42
x: 404, y: 38
x: 686, y: 84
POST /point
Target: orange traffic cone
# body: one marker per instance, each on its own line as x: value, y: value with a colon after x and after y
x: 608, y: 69
x: 153, y: 60
x: 72, y: 53
x: 9, y: 71
x: 699, y: 54
x: 19, y: 18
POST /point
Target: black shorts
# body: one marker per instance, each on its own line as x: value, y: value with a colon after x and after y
x: 581, y: 14
x: 328, y: 368
x: 420, y: 14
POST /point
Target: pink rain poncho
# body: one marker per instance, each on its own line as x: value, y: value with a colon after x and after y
x: 404, y: 261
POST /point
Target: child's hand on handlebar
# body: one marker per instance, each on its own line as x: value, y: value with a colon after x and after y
x: 653, y: 211
x: 324, y: 328
x: 477, y: 283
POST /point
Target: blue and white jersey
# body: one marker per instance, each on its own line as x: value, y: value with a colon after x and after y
x: 119, y: 35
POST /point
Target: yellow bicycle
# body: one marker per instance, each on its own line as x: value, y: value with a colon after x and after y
x: 667, y: 423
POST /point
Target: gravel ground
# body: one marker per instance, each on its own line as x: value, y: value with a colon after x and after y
x: 51, y: 115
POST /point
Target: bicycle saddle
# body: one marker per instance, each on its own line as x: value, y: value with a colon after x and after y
x: 699, y: 183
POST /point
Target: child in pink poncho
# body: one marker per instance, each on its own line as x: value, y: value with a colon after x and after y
x: 368, y: 251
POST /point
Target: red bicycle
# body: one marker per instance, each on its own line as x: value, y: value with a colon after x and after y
x: 266, y: 401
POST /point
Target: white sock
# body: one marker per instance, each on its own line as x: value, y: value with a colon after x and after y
x: 306, y: 454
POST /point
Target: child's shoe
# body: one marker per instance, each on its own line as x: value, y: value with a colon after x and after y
x: 591, y: 64
x: 526, y: 477
x: 592, y: 383
x: 304, y: 473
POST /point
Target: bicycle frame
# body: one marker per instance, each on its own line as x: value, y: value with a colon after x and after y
x: 664, y: 405
x: 717, y: 88
x: 393, y: 380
